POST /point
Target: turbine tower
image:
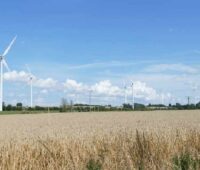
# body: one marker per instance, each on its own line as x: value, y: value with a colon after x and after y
x: 125, y: 94
x: 31, y: 85
x: 3, y: 63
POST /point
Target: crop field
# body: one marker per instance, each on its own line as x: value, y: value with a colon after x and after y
x: 101, y: 140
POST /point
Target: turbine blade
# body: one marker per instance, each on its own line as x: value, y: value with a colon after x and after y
x: 9, y: 47
x: 124, y: 83
x: 6, y: 65
x: 28, y: 69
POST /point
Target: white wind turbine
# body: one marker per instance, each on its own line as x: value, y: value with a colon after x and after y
x: 31, y: 84
x: 4, y: 64
x: 125, y: 93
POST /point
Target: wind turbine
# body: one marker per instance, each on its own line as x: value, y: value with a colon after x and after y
x: 31, y: 84
x: 3, y: 63
x: 125, y: 94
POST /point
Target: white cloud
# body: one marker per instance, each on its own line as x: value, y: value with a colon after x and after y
x: 102, y: 89
x: 107, y: 64
x: 23, y: 76
x: 40, y: 101
x: 45, y: 83
x: 172, y: 67
x: 141, y: 90
x: 72, y: 85
x: 44, y: 91
x: 16, y: 76
x: 105, y: 89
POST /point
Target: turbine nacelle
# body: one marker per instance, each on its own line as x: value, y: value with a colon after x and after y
x: 4, y: 63
x: 29, y: 73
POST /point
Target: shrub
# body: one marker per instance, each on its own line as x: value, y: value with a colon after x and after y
x: 185, y: 161
x: 94, y: 165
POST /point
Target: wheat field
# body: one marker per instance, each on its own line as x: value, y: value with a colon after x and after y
x: 101, y: 140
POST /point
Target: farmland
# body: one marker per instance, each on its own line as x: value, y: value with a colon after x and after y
x: 100, y: 140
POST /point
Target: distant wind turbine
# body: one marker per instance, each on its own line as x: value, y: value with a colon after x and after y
x: 31, y: 85
x: 125, y: 94
x: 3, y: 63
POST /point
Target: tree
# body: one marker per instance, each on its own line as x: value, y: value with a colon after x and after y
x: 64, y: 105
x: 19, y: 106
x: 138, y: 106
x: 198, y: 105
x: 127, y: 106
x: 9, y: 107
x: 4, y: 106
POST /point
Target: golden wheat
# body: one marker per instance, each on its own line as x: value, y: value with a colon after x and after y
x: 124, y: 140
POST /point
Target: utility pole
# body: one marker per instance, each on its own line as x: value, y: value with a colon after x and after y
x: 162, y: 99
x: 188, y: 98
x: 133, y: 102
x: 125, y: 95
x: 90, y: 98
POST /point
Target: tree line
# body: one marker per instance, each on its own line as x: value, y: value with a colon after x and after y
x: 66, y: 106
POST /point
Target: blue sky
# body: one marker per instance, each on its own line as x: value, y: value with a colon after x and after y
x: 155, y: 42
